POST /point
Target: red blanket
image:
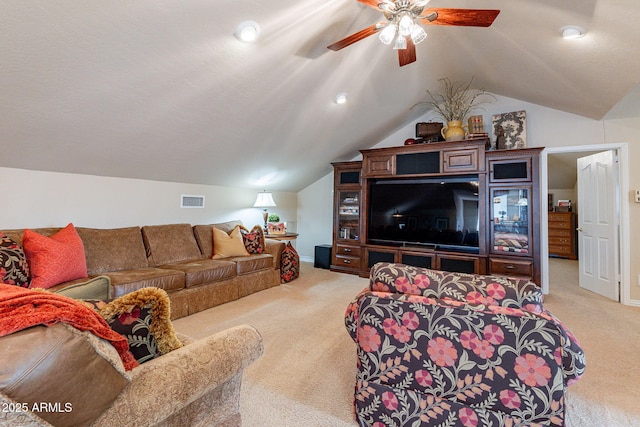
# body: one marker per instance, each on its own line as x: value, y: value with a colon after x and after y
x: 21, y: 308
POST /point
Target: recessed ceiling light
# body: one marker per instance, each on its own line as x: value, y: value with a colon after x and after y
x: 571, y: 32
x: 247, y: 31
x: 340, y: 98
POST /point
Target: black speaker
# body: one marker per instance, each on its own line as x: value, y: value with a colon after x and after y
x: 322, y: 257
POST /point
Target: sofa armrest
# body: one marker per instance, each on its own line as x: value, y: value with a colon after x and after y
x: 275, y: 248
x: 164, y: 386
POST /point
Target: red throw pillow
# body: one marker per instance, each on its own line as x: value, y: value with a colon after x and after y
x: 56, y: 259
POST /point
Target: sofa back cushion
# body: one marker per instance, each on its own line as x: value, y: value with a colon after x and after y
x: 468, y: 288
x: 171, y: 243
x: 16, y: 234
x: 114, y: 249
x: 204, y: 235
x: 60, y: 364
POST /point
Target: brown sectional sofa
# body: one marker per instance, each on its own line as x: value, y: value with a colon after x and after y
x: 176, y: 258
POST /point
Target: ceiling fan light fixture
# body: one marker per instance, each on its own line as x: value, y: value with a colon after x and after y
x: 388, y: 34
x: 247, y: 31
x: 572, y: 32
x: 418, y: 34
x: 386, y: 6
x: 405, y: 26
x: 401, y: 43
x: 420, y: 3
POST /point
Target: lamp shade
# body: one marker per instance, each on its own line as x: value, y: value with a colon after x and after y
x: 264, y: 200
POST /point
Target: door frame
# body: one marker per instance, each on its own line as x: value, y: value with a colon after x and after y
x: 623, y: 196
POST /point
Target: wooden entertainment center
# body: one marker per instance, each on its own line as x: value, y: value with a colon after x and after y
x: 506, y: 220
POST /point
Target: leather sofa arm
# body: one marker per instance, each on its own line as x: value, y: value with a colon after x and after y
x: 164, y: 386
x: 275, y: 248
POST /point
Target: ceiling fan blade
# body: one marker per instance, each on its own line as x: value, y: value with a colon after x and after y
x: 372, y: 3
x: 356, y: 37
x: 461, y: 17
x: 408, y: 55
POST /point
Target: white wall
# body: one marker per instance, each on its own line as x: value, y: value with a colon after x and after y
x: 315, y: 216
x: 49, y: 199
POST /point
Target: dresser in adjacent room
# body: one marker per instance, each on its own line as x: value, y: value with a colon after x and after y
x: 562, y: 235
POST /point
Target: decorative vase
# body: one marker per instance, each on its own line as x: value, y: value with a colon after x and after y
x: 453, y: 131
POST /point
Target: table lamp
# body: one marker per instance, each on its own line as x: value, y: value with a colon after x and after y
x: 264, y: 200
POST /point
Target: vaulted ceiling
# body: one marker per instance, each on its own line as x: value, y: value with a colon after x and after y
x: 161, y: 89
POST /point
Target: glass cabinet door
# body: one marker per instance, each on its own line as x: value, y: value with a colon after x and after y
x: 510, y: 227
x: 349, y: 215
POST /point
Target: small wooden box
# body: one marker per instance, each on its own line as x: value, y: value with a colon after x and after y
x: 430, y: 132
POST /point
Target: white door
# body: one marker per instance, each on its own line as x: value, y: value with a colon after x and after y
x: 598, y: 224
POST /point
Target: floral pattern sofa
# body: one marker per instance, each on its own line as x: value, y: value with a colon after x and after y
x: 450, y: 349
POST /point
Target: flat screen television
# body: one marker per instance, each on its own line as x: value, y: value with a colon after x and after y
x: 438, y: 213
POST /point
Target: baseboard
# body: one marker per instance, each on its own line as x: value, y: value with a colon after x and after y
x: 307, y: 259
x: 634, y: 303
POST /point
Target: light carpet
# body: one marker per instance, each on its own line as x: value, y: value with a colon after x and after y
x: 306, y: 376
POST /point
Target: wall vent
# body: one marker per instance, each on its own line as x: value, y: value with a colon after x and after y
x: 188, y: 201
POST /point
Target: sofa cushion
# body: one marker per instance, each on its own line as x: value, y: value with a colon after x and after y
x: 253, y: 239
x: 97, y: 288
x: 58, y: 364
x: 54, y: 259
x: 144, y: 318
x: 17, y: 233
x: 204, y: 270
x: 171, y: 243
x: 227, y: 245
x: 123, y: 282
x: 252, y: 263
x: 204, y: 236
x: 14, y: 268
x: 469, y: 288
x: 227, y: 226
x: 113, y: 249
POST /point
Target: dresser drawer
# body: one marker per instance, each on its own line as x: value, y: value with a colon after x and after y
x: 509, y: 267
x: 560, y: 225
x: 560, y: 250
x: 559, y: 241
x: 346, y: 262
x: 352, y: 251
x: 559, y: 232
x: 559, y: 217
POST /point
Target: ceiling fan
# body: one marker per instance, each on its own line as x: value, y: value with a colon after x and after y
x: 403, y: 25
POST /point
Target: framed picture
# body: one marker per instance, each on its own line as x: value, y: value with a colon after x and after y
x: 509, y: 130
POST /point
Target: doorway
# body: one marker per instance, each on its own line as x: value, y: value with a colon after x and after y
x: 623, y: 245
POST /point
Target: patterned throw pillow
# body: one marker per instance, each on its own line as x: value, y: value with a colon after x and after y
x: 14, y: 269
x: 56, y: 259
x: 289, y: 264
x: 143, y: 317
x: 253, y: 240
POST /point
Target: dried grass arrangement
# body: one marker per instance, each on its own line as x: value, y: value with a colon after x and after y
x: 457, y: 101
